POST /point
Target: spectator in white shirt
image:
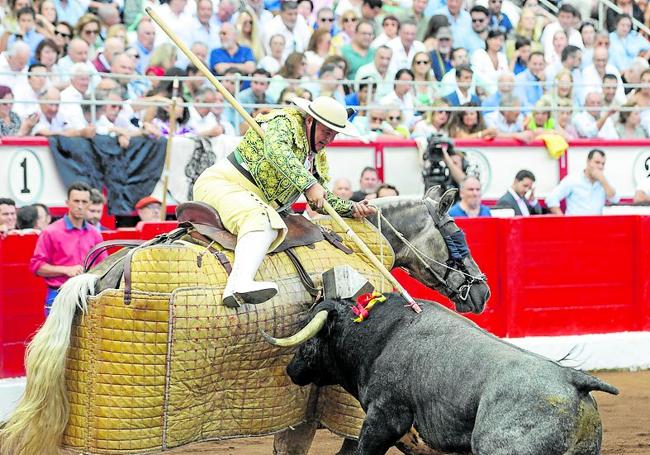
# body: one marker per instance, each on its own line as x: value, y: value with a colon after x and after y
x: 591, y: 122
x: 274, y: 61
x: 390, y: 27
x: 509, y: 122
x: 567, y: 17
x: 378, y: 71
x: 205, y: 122
x: 178, y: 19
x: 404, y: 47
x: 14, y: 60
x: 292, y: 26
x: 491, y: 61
x: 77, y: 53
x: 594, y: 74
x: 402, y: 96
x: 52, y: 122
x: 36, y: 86
x: 72, y: 97
x: 204, y: 30
x: 110, y: 122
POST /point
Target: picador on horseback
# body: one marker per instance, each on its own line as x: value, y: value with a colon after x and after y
x: 264, y: 176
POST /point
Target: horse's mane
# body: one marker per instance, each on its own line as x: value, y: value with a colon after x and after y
x: 394, y: 202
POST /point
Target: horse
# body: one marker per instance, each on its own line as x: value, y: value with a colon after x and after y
x: 426, y: 242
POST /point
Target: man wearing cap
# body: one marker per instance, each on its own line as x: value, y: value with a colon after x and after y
x: 264, y: 176
x: 148, y: 209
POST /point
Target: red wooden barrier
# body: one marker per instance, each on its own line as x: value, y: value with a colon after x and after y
x: 548, y: 276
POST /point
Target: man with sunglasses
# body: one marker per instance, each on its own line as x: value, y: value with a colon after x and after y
x: 325, y: 20
x: 475, y: 39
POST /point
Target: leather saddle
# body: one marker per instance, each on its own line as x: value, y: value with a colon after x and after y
x: 206, y: 221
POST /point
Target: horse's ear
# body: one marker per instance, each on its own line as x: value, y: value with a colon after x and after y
x: 446, y: 201
x: 433, y: 193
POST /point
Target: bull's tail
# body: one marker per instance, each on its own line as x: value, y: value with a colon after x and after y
x: 38, y: 423
x: 587, y: 383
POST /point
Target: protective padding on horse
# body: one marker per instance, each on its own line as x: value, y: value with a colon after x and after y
x: 177, y: 366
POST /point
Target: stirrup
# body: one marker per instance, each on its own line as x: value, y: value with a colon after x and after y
x: 256, y: 296
x: 233, y: 301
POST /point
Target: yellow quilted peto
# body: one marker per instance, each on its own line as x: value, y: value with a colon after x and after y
x: 176, y: 366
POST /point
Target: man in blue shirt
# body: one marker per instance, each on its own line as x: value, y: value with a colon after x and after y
x: 459, y: 19
x: 231, y: 54
x: 469, y: 205
x: 497, y: 18
x: 475, y: 39
x: 26, y: 29
x: 256, y: 93
x: 585, y: 193
x: 69, y: 10
x: 530, y: 83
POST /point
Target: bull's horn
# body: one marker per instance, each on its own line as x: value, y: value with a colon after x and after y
x: 307, y: 332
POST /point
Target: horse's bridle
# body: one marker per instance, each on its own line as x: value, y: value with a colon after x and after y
x: 457, y: 250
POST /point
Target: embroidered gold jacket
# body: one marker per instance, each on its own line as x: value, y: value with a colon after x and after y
x: 277, y: 162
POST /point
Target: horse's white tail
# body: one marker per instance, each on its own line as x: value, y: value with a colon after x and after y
x: 37, y: 425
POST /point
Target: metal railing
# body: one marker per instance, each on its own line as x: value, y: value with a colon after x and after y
x: 603, y: 5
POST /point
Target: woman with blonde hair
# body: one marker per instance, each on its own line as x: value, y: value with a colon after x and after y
x: 425, y: 83
x: 434, y: 121
x: 163, y: 56
x: 528, y: 27
x: 248, y: 33
x: 88, y: 28
x: 562, y: 88
x: 348, y: 24
x: 563, y: 125
x: 118, y: 31
x: 318, y: 50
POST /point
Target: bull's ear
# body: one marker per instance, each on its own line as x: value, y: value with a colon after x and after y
x: 332, y: 316
x: 433, y: 193
x: 446, y: 201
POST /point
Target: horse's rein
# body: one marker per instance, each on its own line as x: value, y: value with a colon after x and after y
x: 463, y: 290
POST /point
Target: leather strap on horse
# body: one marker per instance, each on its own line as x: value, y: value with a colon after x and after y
x: 305, y: 279
x: 223, y: 260
x: 334, y: 239
x: 98, y: 249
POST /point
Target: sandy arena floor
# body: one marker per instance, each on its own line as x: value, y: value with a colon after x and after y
x: 626, y: 422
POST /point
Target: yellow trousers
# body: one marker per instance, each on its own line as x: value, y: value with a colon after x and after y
x: 241, y: 205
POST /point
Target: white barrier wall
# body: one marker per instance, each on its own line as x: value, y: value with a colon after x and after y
x: 28, y: 173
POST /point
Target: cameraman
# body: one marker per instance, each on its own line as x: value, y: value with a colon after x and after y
x: 442, y: 165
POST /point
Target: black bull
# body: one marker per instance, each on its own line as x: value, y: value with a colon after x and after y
x: 464, y: 390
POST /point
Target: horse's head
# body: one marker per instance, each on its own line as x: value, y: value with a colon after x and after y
x: 433, y: 248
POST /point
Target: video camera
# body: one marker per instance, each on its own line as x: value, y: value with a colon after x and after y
x: 435, y: 171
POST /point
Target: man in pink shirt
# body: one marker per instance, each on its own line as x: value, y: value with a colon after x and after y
x: 63, y: 245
